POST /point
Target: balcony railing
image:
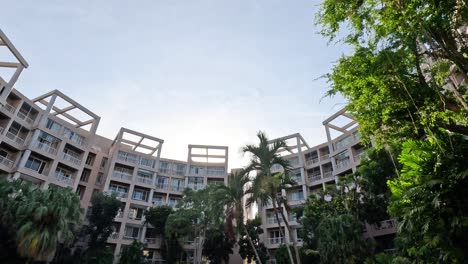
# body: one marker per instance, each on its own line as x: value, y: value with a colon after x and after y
x: 179, y: 172
x: 121, y: 175
x: 64, y: 178
x: 272, y: 220
x: 177, y: 188
x: 387, y: 224
x: 131, y: 238
x: 157, y: 202
x: 118, y: 194
x: 196, y: 186
x: 165, y: 170
x: 276, y: 240
x: 114, y: 235
x: 342, y: 164
x: 315, y: 177
x: 311, y: 161
x: 71, y: 159
x: 45, y: 147
x: 328, y: 174
x: 130, y: 159
x: 6, y: 162
x: 25, y: 117
x: 144, y: 180
x: 161, y: 185
x: 133, y: 216
x: 325, y: 157
x: 9, y: 108
x: 15, y: 138
x: 359, y: 156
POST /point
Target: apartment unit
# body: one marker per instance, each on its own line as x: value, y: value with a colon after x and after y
x: 315, y: 168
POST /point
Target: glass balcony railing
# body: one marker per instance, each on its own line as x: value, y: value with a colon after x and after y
x: 276, y: 240
x: 311, y: 161
x: 144, y: 180
x: 8, y: 107
x: 315, y: 177
x: 15, y: 138
x: 64, y: 178
x: 121, y: 175
x: 73, y: 159
x: 44, y: 147
x: 328, y: 174
x: 6, y: 162
x: 27, y: 118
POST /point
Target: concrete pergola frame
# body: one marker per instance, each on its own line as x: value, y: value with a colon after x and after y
x: 18, y: 65
x: 57, y: 111
x: 299, y: 144
x: 207, y: 154
x: 346, y: 129
x: 139, y: 144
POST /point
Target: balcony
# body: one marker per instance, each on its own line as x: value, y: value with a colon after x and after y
x: 121, y: 175
x: 157, y: 202
x: 24, y: 116
x: 162, y: 185
x: 195, y: 186
x: 325, y: 157
x: 114, y: 235
x: 327, y: 174
x: 272, y: 220
x: 44, y: 147
x: 144, y: 180
x: 67, y: 179
x: 312, y: 161
x: 6, y: 162
x: 15, y: 138
x: 179, y: 172
x: 9, y: 108
x: 118, y: 194
x: 315, y: 177
x: 276, y: 240
x: 127, y: 158
x: 73, y: 159
x: 359, y: 156
x: 342, y: 164
x: 165, y: 170
x: 177, y: 188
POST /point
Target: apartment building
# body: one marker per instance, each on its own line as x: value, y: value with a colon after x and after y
x: 315, y: 168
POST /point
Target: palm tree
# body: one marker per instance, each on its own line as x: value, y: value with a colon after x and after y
x: 45, y: 219
x: 232, y: 196
x: 266, y: 185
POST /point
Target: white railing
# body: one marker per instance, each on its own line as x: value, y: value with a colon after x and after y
x: 118, y: 194
x: 276, y: 240
x: 325, y: 157
x: 71, y: 158
x: 131, y: 238
x: 327, y: 174
x: 158, y: 202
x: 342, y: 164
x: 130, y: 159
x: 311, y: 161
x: 165, y: 170
x: 162, y: 185
x: 64, y: 178
x: 45, y: 147
x: 25, y: 117
x: 315, y: 177
x: 133, y: 216
x: 177, y: 188
x: 9, y: 108
x: 144, y: 180
x: 114, y: 235
x: 195, y: 186
x: 272, y: 220
x: 6, y: 162
x: 15, y: 138
x: 121, y: 175
x: 119, y: 214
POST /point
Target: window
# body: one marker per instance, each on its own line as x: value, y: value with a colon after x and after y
x: 73, y: 136
x: 103, y: 162
x: 162, y: 182
x: 140, y: 195
x: 35, y: 164
x: 85, y: 175
x: 121, y: 191
x: 47, y: 139
x: 128, y: 157
x: 197, y: 170
x: 132, y: 232
x: 195, y: 183
x: 135, y: 213
x: 164, y: 167
x: 219, y: 171
x: 99, y: 178
x: 297, y: 195
x: 179, y: 169
x: 80, y: 191
x: 177, y: 184
x: 146, y: 162
x: 90, y: 159
x: 53, y: 126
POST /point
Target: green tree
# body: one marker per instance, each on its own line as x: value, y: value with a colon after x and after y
x: 218, y: 246
x: 157, y: 217
x: 266, y: 185
x: 429, y: 200
x: 103, y: 211
x: 132, y: 254
x: 45, y: 219
x: 232, y: 196
x: 252, y: 230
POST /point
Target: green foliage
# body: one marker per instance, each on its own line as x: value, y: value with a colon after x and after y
x: 101, y: 255
x: 39, y: 220
x: 157, y: 217
x: 253, y: 229
x: 217, y: 246
x: 132, y: 254
x: 429, y: 202
x: 103, y: 211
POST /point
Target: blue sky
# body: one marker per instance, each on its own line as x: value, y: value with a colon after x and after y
x: 189, y: 72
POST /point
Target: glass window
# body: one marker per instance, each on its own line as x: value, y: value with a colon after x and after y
x: 53, y: 126
x: 35, y: 164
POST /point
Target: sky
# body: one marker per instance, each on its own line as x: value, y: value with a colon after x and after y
x: 210, y: 72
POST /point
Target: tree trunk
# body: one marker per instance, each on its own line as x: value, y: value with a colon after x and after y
x: 296, y: 251
x: 257, y: 258
x: 281, y: 230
